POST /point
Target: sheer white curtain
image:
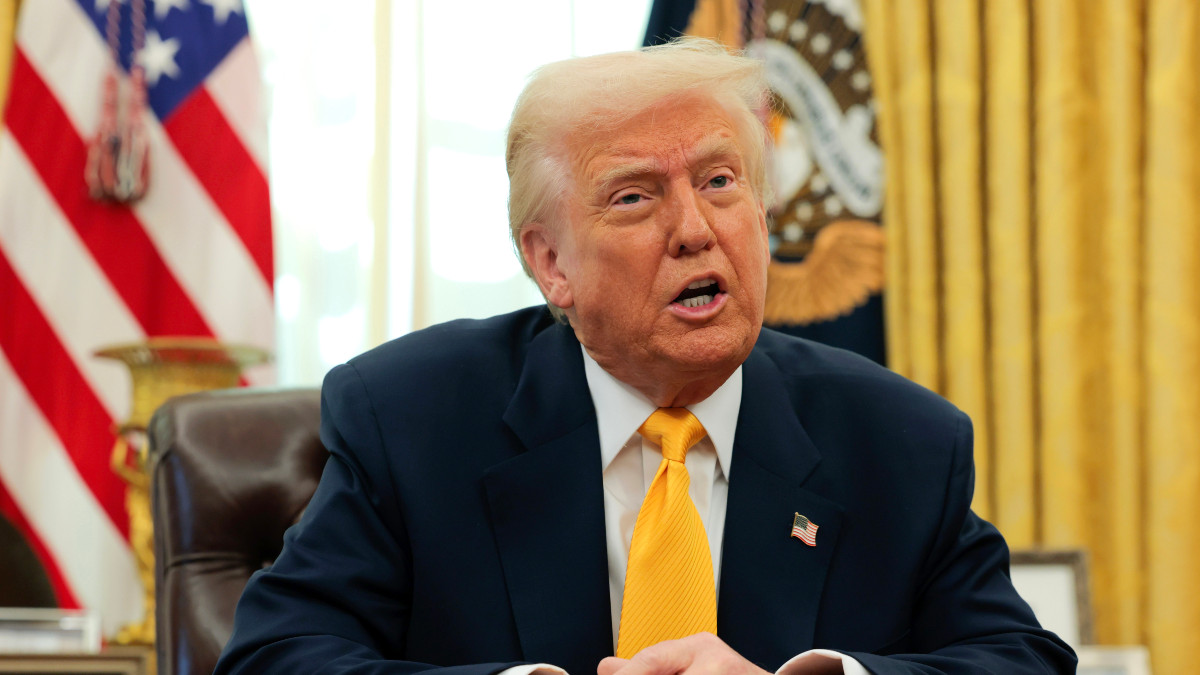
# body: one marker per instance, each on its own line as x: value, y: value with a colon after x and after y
x: 387, y: 158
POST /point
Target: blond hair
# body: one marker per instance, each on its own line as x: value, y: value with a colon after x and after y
x: 583, y: 95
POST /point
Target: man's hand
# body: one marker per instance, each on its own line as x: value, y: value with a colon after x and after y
x: 695, y: 654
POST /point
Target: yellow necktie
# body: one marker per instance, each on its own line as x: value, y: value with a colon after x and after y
x: 669, y: 588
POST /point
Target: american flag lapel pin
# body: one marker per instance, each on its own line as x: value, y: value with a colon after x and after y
x: 804, y: 529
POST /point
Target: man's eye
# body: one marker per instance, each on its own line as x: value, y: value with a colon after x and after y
x: 719, y: 181
x: 632, y: 198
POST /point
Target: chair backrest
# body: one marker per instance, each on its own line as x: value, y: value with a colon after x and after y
x: 25, y: 582
x: 230, y: 471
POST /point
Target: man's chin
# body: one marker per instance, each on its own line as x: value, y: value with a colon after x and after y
x: 708, y: 349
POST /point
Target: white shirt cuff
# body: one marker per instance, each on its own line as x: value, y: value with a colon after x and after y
x: 822, y: 662
x: 537, y: 669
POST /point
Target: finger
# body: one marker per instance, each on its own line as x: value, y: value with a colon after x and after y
x: 610, y: 665
x: 699, y: 653
x: 665, y: 658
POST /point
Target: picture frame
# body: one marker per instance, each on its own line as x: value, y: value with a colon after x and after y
x: 1105, y: 660
x: 110, y: 661
x: 37, y: 630
x: 1055, y: 584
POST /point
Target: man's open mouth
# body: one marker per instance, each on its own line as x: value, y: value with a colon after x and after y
x: 699, y: 293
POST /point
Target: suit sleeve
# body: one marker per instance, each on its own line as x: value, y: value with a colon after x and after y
x: 969, y: 618
x: 337, y: 598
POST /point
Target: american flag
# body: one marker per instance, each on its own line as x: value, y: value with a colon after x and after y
x: 804, y: 529
x: 193, y: 257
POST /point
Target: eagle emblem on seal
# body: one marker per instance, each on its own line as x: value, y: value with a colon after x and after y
x: 826, y: 166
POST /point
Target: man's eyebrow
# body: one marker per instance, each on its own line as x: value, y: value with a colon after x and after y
x: 708, y: 151
x: 625, y: 171
x: 713, y: 149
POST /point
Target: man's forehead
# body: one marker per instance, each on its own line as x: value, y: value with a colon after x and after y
x: 621, y: 160
x: 651, y: 149
x: 685, y: 120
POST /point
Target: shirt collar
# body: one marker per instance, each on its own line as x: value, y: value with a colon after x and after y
x: 621, y: 409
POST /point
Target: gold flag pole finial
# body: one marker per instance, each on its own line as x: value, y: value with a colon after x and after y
x: 162, y: 367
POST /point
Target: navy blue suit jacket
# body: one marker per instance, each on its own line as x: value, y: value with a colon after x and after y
x: 459, y: 522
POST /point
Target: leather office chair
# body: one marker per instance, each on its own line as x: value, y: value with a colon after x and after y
x: 231, y: 470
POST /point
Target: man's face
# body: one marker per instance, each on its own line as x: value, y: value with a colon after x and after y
x: 663, y: 249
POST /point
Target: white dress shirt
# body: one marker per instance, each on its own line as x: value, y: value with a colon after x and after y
x: 630, y: 462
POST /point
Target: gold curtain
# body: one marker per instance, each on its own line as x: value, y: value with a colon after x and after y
x: 8, y: 22
x: 1043, y: 209
x: 718, y: 20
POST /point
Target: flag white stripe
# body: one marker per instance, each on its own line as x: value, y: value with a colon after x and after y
x: 228, y: 85
x: 180, y: 218
x: 91, y: 553
x: 73, y: 75
x: 190, y: 234
x: 82, y: 307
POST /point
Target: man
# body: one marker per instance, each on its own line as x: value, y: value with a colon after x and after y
x: 653, y: 476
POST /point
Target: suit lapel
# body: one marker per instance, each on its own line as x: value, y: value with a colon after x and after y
x: 547, y: 511
x: 771, y: 582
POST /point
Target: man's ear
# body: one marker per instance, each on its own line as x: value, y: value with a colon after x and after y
x: 539, y: 247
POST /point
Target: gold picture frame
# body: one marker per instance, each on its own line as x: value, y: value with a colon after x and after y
x: 1055, y: 584
x: 111, y: 661
x: 45, y: 630
x: 1105, y: 660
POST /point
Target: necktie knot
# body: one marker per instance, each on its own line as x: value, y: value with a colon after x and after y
x: 675, y: 430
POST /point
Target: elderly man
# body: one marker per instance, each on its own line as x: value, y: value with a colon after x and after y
x: 651, y: 475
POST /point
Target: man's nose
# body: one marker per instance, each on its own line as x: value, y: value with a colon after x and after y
x: 691, y: 231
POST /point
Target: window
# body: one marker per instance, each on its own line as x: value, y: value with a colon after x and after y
x: 387, y: 124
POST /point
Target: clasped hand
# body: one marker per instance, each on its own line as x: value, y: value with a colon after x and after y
x: 693, y: 655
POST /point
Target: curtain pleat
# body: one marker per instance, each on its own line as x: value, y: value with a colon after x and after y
x: 911, y: 97
x: 1008, y: 227
x: 1119, y: 63
x: 884, y: 59
x: 1043, y: 216
x: 1172, y: 331
x: 959, y: 220
x: 1068, y: 338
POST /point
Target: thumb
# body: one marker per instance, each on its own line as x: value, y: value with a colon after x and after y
x: 610, y: 665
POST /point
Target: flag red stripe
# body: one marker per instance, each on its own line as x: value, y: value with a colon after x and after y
x: 112, y: 233
x: 62, y: 394
x: 227, y: 171
x: 62, y: 590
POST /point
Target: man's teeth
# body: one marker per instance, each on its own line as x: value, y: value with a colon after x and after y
x: 699, y: 300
